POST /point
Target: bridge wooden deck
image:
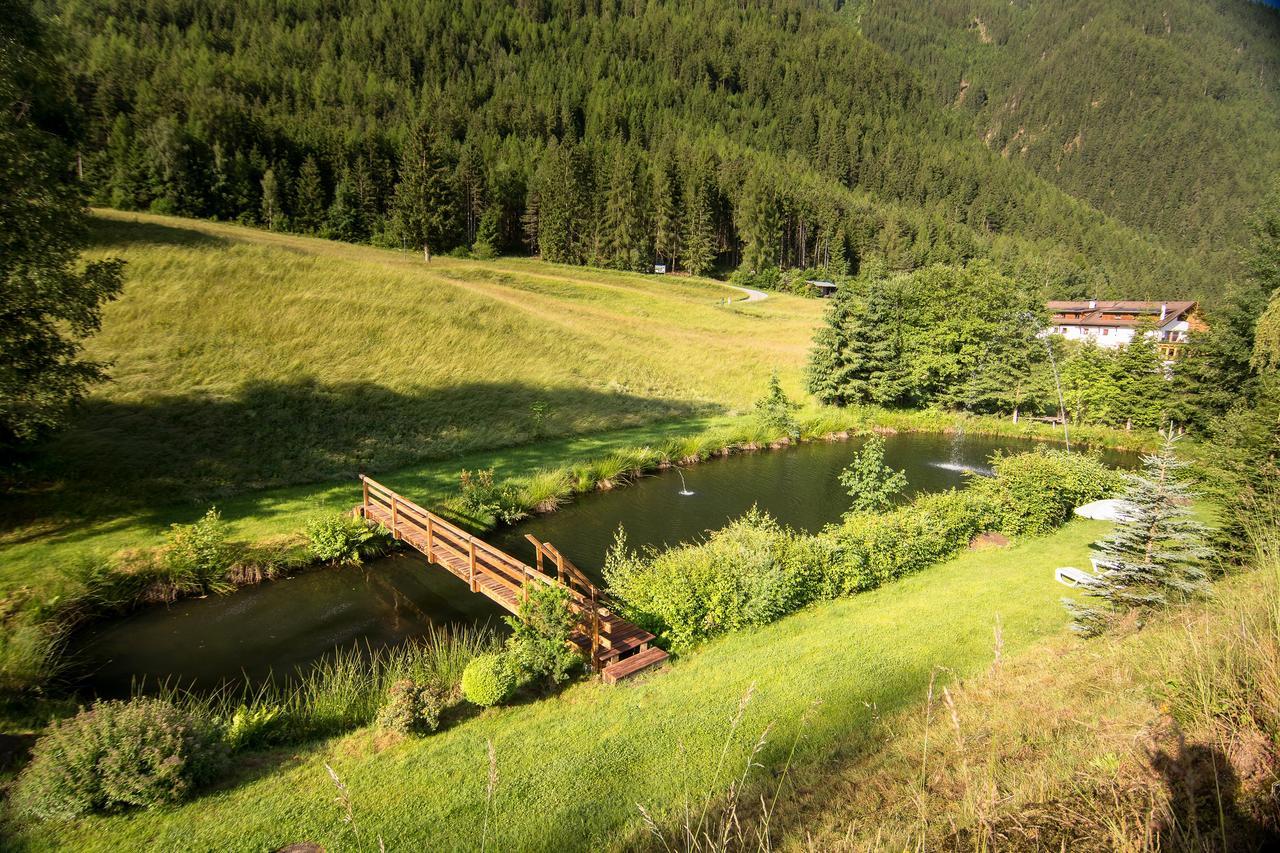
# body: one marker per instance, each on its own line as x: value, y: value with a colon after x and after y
x: 615, y: 647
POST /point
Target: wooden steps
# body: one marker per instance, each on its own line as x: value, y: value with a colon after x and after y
x: 629, y: 666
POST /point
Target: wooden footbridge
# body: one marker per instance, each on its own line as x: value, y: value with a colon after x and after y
x: 615, y: 647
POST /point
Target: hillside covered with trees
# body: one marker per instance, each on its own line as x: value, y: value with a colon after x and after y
x: 1161, y: 115
x: 706, y: 134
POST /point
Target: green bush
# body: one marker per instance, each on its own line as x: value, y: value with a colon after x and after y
x: 198, y: 555
x: 875, y: 549
x: 1035, y: 492
x: 488, y: 680
x: 119, y: 755
x: 414, y: 708
x: 540, y: 631
x: 342, y: 538
x: 753, y: 571
x: 481, y: 497
x: 749, y: 573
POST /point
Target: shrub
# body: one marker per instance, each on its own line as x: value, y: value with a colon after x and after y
x: 488, y: 680
x: 776, y: 411
x: 881, y: 548
x: 198, y: 555
x: 119, y: 755
x: 414, y: 708
x: 1035, y: 492
x: 481, y: 497
x: 748, y: 573
x: 342, y: 538
x: 539, y: 642
x: 872, y: 484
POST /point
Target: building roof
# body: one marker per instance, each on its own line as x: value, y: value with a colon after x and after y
x: 1093, y: 312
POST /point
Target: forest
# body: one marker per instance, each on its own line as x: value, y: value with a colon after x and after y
x: 1161, y: 115
x: 705, y: 136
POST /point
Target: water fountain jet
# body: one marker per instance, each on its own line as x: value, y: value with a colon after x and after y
x: 684, y: 489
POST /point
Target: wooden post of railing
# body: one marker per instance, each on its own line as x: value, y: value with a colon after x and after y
x: 364, y: 507
x: 430, y: 535
x: 559, y: 568
x: 394, y: 517
x: 524, y: 591
x: 471, y: 577
x: 595, y: 628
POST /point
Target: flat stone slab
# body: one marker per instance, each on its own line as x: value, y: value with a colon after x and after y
x: 1108, y: 510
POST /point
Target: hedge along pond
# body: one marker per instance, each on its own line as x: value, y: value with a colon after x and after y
x: 276, y: 627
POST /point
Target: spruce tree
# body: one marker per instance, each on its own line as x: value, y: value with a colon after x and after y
x: 309, y: 203
x: 699, y: 225
x: 423, y: 198
x: 1155, y: 556
x: 344, y: 220
x: 486, y: 244
x: 666, y: 222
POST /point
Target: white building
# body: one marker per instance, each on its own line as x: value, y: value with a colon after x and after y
x: 1114, y: 324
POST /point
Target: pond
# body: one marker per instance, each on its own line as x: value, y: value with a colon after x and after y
x: 279, y: 626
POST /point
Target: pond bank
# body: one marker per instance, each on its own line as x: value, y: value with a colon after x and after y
x: 279, y: 626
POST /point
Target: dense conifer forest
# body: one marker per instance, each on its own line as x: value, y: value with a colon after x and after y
x: 1160, y: 114
x: 706, y: 135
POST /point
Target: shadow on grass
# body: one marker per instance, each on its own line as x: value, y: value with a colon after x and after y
x: 122, y: 456
x: 125, y: 234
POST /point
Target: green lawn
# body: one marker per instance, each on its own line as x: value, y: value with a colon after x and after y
x: 262, y: 372
x: 572, y: 769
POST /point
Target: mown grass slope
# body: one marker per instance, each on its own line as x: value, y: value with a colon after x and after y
x: 572, y: 770
x: 244, y: 359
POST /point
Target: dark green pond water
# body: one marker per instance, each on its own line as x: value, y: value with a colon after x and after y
x: 279, y: 626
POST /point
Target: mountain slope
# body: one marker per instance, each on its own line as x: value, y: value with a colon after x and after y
x: 1166, y: 116
x: 606, y: 132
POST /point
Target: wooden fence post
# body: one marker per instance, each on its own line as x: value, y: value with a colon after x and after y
x: 364, y: 507
x: 430, y: 535
x: 394, y: 518
x: 472, y: 574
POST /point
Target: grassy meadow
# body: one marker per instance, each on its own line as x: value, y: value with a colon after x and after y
x: 572, y: 770
x: 243, y: 359
x: 262, y: 372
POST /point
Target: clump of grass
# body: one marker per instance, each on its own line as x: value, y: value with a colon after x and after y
x: 544, y: 491
x: 339, y: 692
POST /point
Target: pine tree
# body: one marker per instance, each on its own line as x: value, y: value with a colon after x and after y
x: 1141, y: 387
x: 622, y: 231
x: 776, y: 410
x: 344, y: 220
x: 486, y: 244
x: 834, y: 364
x: 1154, y: 557
x: 309, y: 200
x: 666, y: 222
x: 423, y: 198
x: 838, y: 262
x: 699, y: 232
x: 758, y: 226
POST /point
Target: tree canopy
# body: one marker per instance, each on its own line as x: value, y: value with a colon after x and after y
x: 48, y: 301
x: 707, y: 134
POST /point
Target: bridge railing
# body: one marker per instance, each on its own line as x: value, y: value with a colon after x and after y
x: 432, y: 535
